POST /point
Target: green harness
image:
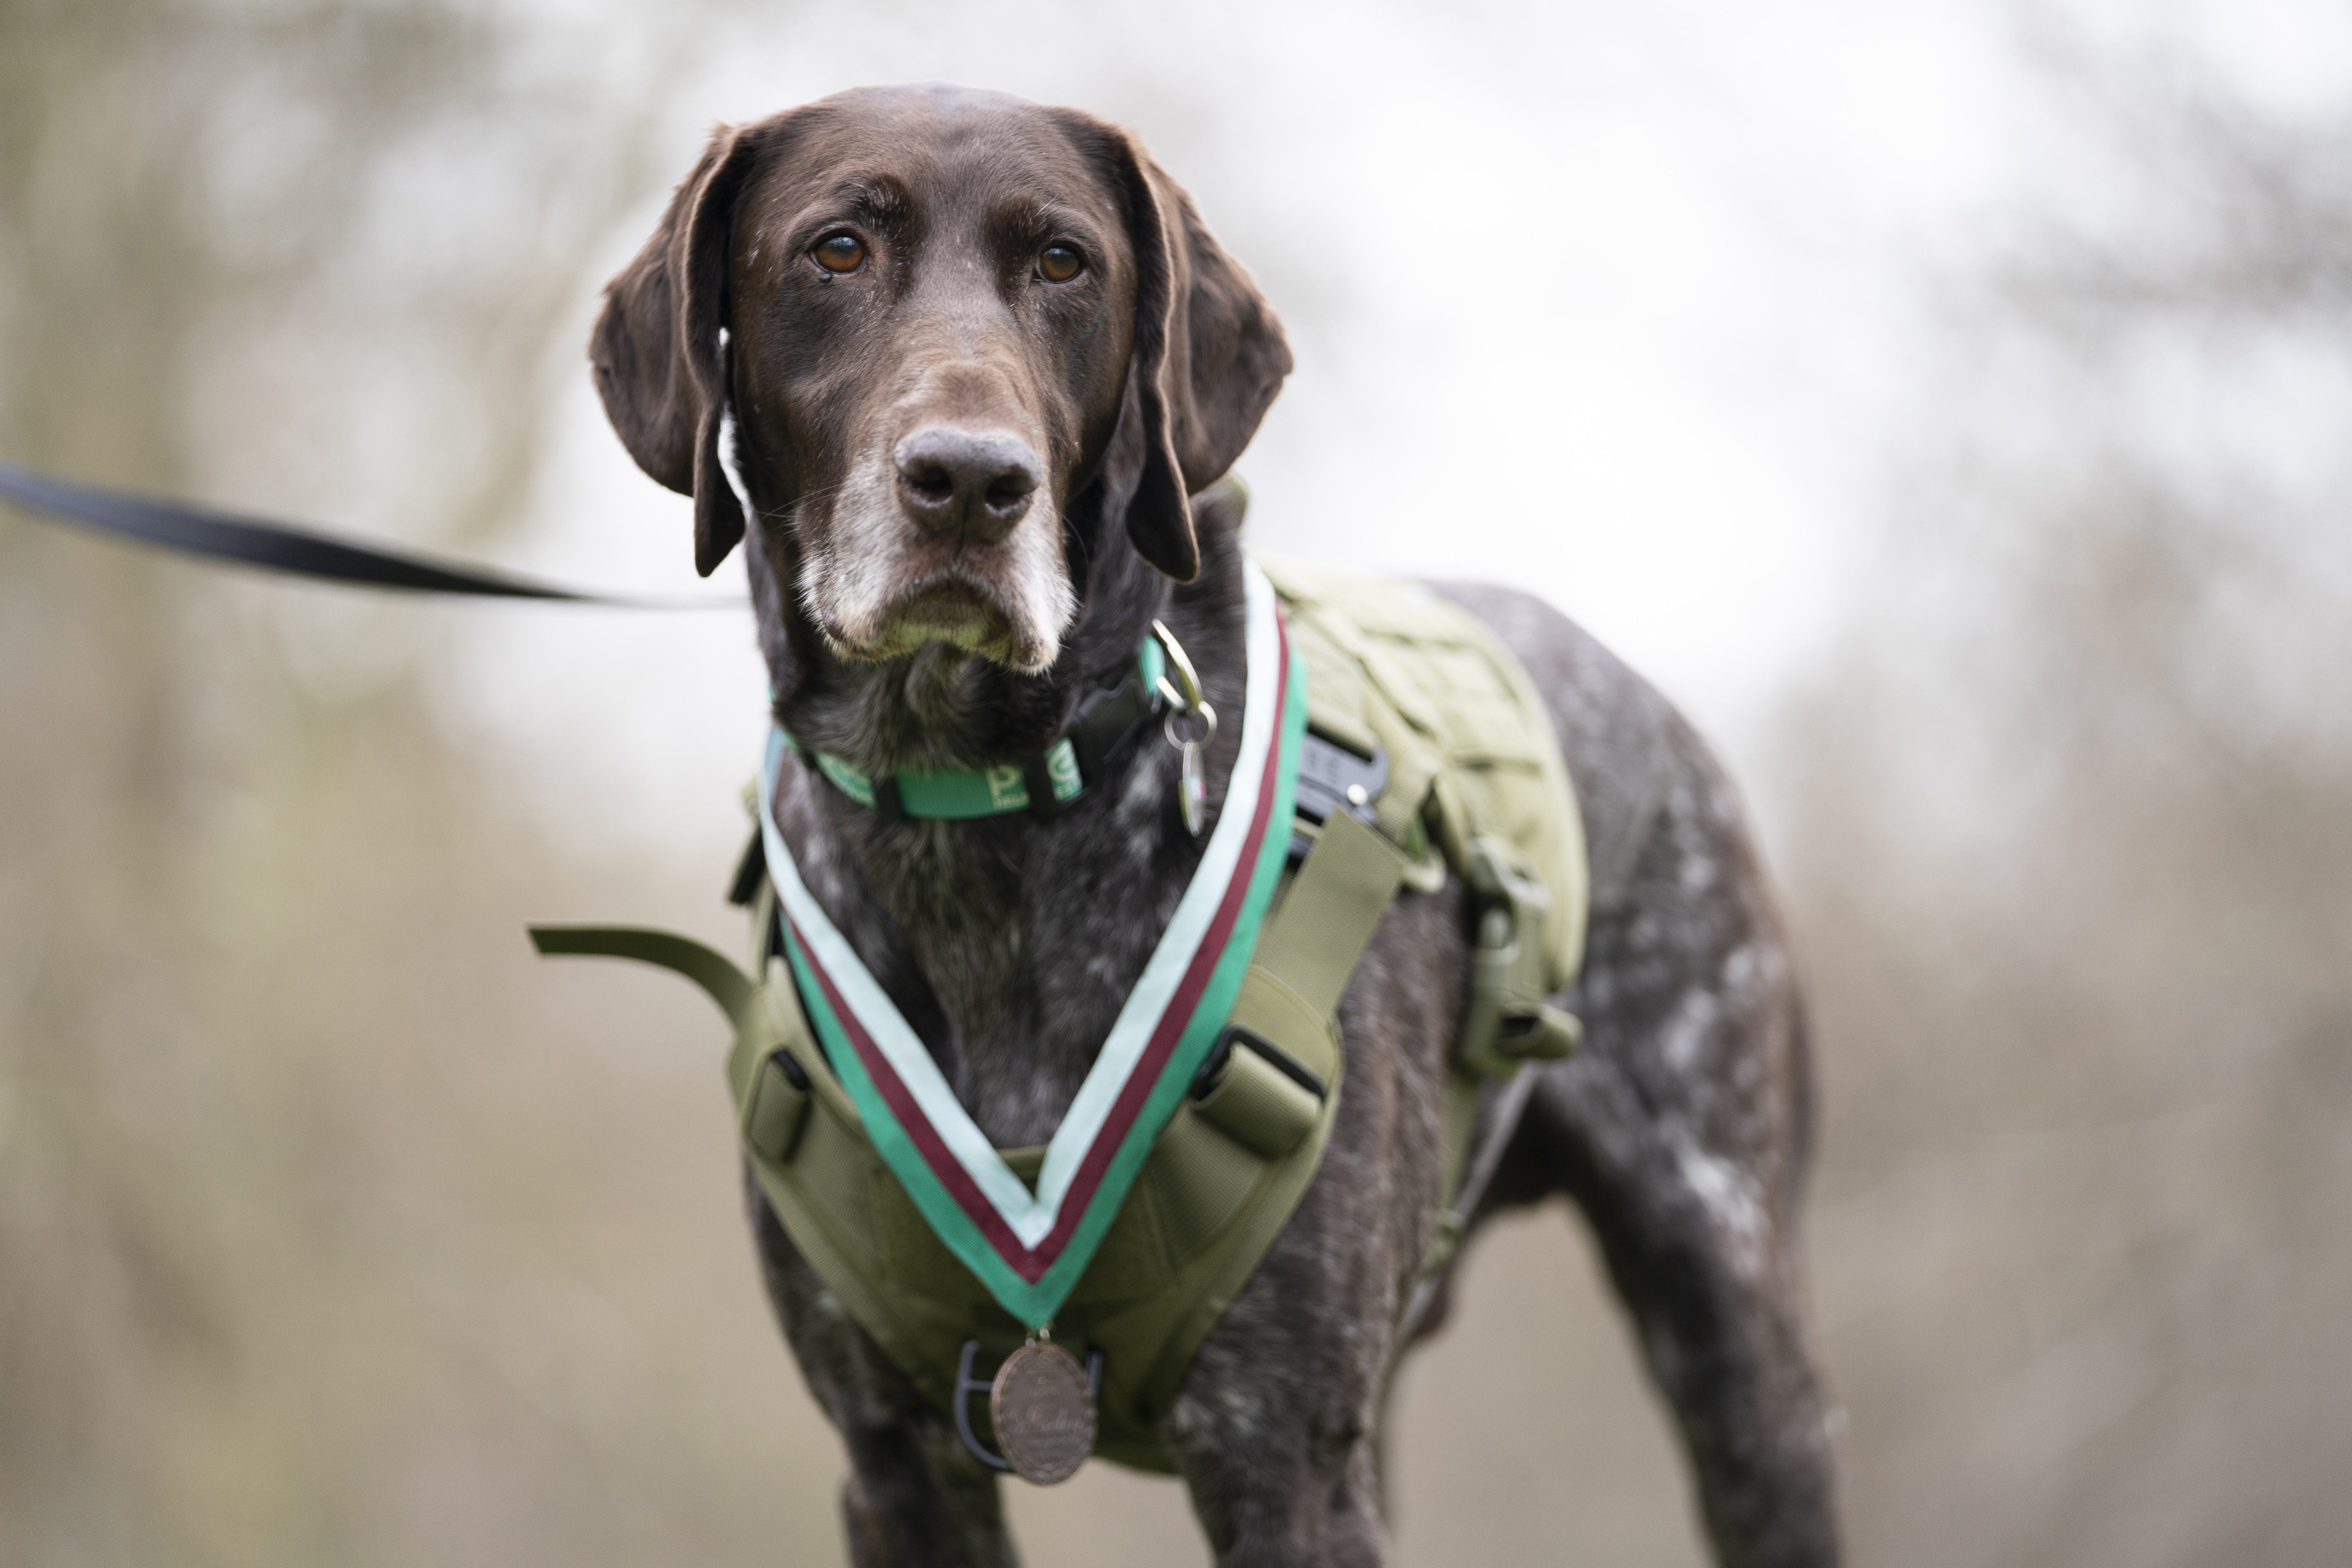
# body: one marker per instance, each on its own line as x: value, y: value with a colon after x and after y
x: 1428, y: 750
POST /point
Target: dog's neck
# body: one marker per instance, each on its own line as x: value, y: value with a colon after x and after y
x: 1010, y: 943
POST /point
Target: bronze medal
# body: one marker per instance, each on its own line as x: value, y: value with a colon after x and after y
x: 1044, y: 1411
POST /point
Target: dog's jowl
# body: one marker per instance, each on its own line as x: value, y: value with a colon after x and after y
x: 1187, y: 1124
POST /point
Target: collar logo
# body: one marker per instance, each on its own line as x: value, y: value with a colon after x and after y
x: 1062, y: 769
x: 1007, y: 790
x: 1030, y: 1247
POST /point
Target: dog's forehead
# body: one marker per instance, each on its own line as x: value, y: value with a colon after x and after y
x: 937, y: 147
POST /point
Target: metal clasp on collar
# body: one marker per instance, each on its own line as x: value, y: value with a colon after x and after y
x: 1187, y: 708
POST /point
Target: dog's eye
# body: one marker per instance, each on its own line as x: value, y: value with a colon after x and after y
x: 1060, y: 263
x: 840, y: 253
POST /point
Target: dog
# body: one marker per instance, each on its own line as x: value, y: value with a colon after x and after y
x: 956, y: 371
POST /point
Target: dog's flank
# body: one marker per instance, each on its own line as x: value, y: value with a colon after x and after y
x: 979, y: 354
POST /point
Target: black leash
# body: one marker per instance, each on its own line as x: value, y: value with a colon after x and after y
x: 297, y: 552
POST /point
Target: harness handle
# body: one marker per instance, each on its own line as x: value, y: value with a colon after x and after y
x: 713, y: 971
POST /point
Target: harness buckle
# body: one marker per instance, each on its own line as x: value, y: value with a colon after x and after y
x: 1509, y: 1020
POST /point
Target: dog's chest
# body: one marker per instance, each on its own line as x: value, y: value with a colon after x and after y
x: 1011, y: 972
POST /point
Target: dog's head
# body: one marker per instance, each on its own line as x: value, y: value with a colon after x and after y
x: 940, y: 338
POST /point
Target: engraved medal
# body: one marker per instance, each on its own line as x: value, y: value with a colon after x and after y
x: 1044, y: 1411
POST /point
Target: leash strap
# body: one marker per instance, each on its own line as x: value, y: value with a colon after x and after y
x: 293, y: 552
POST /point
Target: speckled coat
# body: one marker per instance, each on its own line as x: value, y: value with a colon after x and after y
x: 1009, y: 943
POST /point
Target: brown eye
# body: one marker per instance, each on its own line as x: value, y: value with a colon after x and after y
x: 1060, y: 263
x: 840, y: 253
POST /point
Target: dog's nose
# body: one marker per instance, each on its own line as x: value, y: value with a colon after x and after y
x: 972, y: 484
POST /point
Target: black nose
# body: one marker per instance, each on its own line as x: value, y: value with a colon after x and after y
x: 971, y: 484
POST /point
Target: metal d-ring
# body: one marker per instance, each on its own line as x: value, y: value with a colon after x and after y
x: 1203, y: 712
x: 966, y: 1386
x: 1187, y: 703
x: 1189, y: 698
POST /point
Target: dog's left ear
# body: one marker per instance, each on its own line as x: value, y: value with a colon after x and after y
x: 655, y: 346
x: 1209, y: 357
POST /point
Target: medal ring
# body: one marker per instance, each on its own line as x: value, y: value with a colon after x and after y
x: 1204, y: 713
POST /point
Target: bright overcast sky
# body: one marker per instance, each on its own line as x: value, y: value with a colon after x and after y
x: 1617, y: 303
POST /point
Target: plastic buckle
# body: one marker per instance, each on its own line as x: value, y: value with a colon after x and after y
x: 1509, y: 1020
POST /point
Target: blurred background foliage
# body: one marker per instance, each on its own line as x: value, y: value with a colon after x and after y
x: 2068, y: 834
x: 332, y: 1229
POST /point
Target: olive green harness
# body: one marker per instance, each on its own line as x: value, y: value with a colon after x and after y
x: 1429, y: 751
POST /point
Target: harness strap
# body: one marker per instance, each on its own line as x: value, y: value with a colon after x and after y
x: 1436, y: 742
x: 1220, y: 1184
x: 726, y: 985
x: 1342, y: 891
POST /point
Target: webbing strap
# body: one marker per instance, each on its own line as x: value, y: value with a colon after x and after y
x: 713, y: 971
x: 296, y: 552
x: 1331, y: 911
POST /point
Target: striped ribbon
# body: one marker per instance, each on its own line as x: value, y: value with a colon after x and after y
x: 1030, y: 1249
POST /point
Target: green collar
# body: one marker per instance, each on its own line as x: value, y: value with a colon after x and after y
x: 1040, y: 782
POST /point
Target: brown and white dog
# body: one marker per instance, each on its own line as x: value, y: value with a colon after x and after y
x: 970, y: 360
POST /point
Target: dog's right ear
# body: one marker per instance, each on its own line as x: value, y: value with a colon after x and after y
x: 1209, y: 357
x: 656, y: 347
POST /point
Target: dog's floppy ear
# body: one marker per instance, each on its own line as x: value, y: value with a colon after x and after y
x: 655, y: 346
x: 1209, y: 357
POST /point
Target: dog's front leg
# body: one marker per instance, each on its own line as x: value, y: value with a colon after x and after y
x: 1275, y: 1427
x: 914, y: 1497
x: 914, y: 1500
x: 1282, y: 1488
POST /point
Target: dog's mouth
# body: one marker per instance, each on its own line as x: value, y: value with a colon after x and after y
x: 953, y: 609
x: 947, y: 607
x: 877, y: 588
